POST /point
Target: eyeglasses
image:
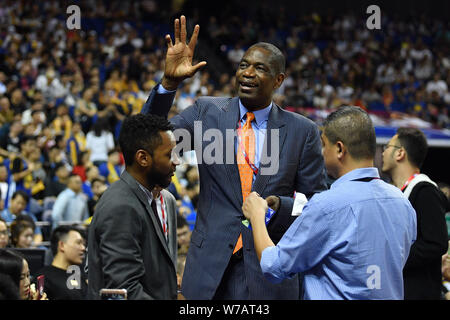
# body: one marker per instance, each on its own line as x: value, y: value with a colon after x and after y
x: 3, y: 232
x: 390, y: 145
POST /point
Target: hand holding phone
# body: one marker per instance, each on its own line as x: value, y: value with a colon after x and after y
x: 40, y: 286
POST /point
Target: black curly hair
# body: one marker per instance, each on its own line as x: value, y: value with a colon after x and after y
x: 141, y: 131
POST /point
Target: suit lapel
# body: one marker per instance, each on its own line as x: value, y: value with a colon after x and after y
x: 171, y: 225
x: 153, y: 216
x: 275, y: 122
x: 229, y: 120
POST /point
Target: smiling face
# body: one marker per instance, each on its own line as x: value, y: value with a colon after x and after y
x: 256, y: 79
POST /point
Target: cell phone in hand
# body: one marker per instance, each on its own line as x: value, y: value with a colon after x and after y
x: 113, y: 294
x: 40, y: 286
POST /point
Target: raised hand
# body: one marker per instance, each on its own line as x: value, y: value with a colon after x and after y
x: 179, y: 56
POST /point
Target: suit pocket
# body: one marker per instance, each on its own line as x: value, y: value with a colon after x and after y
x: 197, y: 238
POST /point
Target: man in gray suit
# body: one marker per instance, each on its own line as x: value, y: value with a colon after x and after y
x: 132, y: 237
x: 217, y: 266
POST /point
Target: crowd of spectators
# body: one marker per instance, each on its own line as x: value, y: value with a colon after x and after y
x: 64, y: 93
x: 63, y: 96
x: 402, y: 70
x: 334, y: 60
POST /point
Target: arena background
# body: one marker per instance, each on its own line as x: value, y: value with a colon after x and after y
x: 437, y: 162
x: 416, y: 11
x: 157, y: 18
x: 126, y: 38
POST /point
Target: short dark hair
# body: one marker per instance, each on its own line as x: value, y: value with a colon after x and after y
x: 60, y: 234
x: 90, y: 168
x: 415, y: 144
x: 71, y: 175
x: 97, y: 180
x: 277, y: 60
x: 58, y: 138
x: 181, y: 221
x: 27, y: 138
x: 353, y: 127
x: 141, y: 131
x: 21, y: 193
x: 58, y: 166
x: 110, y: 152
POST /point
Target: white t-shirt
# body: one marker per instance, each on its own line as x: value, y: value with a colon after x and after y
x: 99, y: 146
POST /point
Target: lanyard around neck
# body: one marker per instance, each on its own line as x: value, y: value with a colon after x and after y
x: 408, y: 181
x: 247, y: 159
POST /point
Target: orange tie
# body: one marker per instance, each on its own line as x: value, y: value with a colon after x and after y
x: 245, y: 171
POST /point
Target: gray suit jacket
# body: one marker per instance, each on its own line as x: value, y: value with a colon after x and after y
x: 219, y: 216
x: 126, y: 245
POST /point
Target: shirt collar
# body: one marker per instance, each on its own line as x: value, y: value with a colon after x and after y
x: 70, y: 192
x: 357, y: 174
x: 148, y: 193
x: 260, y: 115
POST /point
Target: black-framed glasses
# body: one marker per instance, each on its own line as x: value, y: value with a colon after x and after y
x: 390, y: 145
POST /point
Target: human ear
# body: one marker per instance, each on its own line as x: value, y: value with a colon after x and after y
x: 340, y: 148
x: 61, y: 245
x: 280, y: 79
x: 400, y: 154
x: 143, y: 158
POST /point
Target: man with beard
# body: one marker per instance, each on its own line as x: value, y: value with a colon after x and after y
x: 131, y: 241
x: 221, y: 263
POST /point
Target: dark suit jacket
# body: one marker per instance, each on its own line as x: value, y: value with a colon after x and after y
x: 126, y: 245
x: 219, y: 216
x: 422, y: 272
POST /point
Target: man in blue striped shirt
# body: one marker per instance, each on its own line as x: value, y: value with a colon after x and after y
x: 352, y: 241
